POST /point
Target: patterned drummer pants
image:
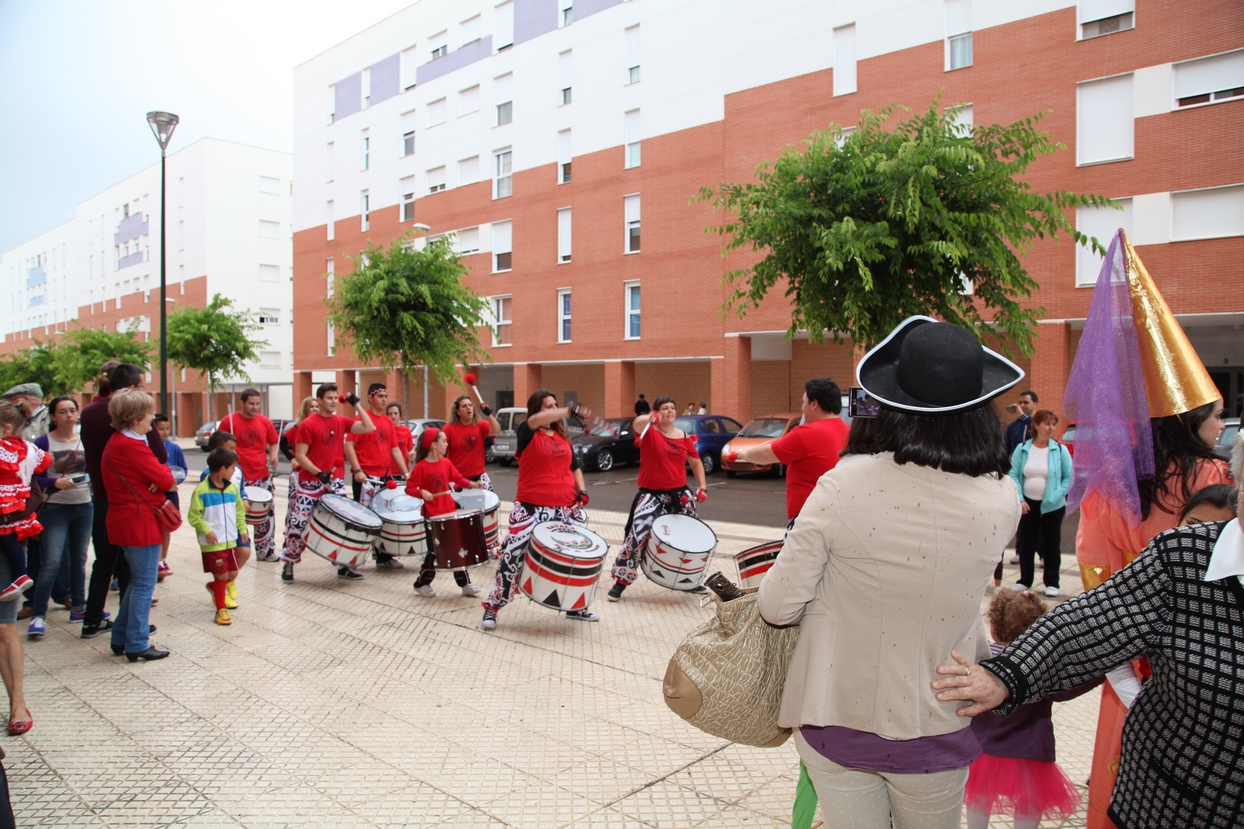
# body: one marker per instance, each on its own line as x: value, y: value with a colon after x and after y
x: 483, y: 479
x: 305, y: 491
x: 523, y: 521
x: 263, y: 535
x: 648, y: 506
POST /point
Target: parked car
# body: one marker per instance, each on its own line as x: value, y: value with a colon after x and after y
x: 505, y: 444
x: 711, y: 433
x: 417, y: 426
x: 1231, y: 428
x: 1068, y: 439
x: 758, y: 432
x: 205, y: 432
x: 600, y: 447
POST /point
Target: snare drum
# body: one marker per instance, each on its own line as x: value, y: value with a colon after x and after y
x: 403, y: 531
x: 258, y: 504
x: 489, y: 504
x: 458, y: 539
x: 342, y: 531
x: 754, y: 562
x: 678, y: 551
x: 563, y: 565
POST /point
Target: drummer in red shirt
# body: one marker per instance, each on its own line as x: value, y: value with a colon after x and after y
x: 810, y: 449
x: 663, y: 452
x: 405, y: 441
x: 256, y: 440
x: 467, y: 434
x: 370, y: 456
x: 550, y: 488
x: 319, y: 453
x: 429, y: 480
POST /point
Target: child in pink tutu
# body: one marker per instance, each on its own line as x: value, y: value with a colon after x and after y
x: 1016, y: 773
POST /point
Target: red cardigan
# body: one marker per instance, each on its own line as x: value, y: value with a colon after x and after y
x: 132, y: 523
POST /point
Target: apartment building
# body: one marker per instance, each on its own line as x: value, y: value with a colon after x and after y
x: 228, y: 227
x: 561, y: 143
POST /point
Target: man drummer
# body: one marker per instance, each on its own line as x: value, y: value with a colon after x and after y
x: 371, y: 455
x: 257, y: 443
x: 319, y: 453
x: 466, y: 434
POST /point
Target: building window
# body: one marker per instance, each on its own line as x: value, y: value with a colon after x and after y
x: 632, y: 55
x: 269, y: 359
x: 1104, y: 120
x: 468, y: 170
x: 408, y: 133
x: 563, y: 157
x: 269, y: 316
x: 407, y: 68
x: 1209, y: 80
x: 565, y: 92
x: 468, y: 101
x: 502, y: 96
x: 1101, y: 223
x: 844, y: 60
x: 268, y: 184
x: 331, y: 335
x: 329, y: 160
x: 269, y: 230
x: 1104, y: 17
x: 466, y: 241
x: 470, y: 30
x: 436, y: 179
x: 631, y: 211
x: 502, y: 234
x: 565, y: 13
x: 366, y: 151
x: 502, y: 177
x: 563, y: 235
x: 330, y: 271
x: 406, y: 187
x: 436, y: 112
x: 328, y: 219
x: 563, y: 315
x: 1212, y: 213
x: 366, y: 211
x: 269, y: 273
x: 501, y: 321
x: 631, y: 295
x: 503, y: 26
x: 963, y: 120
x: 438, y: 46
x: 632, y: 139
x: 332, y: 103
x: 959, y: 51
x: 958, y: 34
x: 366, y: 85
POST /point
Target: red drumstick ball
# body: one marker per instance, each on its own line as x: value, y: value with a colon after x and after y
x: 390, y: 484
x: 470, y: 378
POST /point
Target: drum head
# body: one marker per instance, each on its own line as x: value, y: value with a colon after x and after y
x: 478, y: 499
x: 256, y: 495
x: 682, y: 532
x: 570, y: 539
x: 351, y: 511
x: 399, y: 508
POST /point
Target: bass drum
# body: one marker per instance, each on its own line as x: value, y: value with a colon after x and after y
x: 563, y: 565
x: 342, y: 531
x: 489, y: 505
x: 678, y: 551
x: 402, y: 532
x: 458, y: 540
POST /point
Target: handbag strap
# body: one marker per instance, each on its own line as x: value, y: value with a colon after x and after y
x: 140, y: 499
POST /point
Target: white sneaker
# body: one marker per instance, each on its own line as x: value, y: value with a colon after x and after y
x: 390, y: 564
x: 490, y: 620
x: 470, y: 589
x: 426, y: 590
x: 1018, y: 586
x: 1052, y: 592
x: 1015, y: 559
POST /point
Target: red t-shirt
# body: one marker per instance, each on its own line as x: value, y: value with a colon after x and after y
x: 254, y: 435
x: 466, y: 446
x: 375, y: 449
x: 405, y: 442
x: 544, y: 464
x: 662, y: 460
x: 809, y: 451
x: 326, y: 438
x: 435, y: 476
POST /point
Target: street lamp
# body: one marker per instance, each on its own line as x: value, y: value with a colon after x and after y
x: 172, y: 413
x: 162, y: 126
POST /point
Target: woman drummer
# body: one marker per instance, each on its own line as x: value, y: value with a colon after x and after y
x: 550, y: 488
x: 467, y: 434
x: 663, y: 450
x: 429, y: 480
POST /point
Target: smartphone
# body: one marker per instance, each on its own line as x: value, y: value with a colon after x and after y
x: 861, y: 404
x: 80, y: 478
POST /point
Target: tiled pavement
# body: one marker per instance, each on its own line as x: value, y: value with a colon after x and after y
x: 339, y: 704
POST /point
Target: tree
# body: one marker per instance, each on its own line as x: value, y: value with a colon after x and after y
x: 30, y: 365
x: 76, y: 358
x: 403, y: 306
x: 214, y: 341
x: 873, y: 227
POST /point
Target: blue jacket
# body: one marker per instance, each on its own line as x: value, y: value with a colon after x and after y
x: 1057, y: 485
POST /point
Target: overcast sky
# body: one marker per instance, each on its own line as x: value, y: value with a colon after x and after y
x: 77, y: 78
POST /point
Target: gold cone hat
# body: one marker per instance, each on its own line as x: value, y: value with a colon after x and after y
x: 1176, y: 380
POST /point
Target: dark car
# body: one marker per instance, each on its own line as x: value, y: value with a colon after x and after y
x: 711, y: 433
x: 600, y: 447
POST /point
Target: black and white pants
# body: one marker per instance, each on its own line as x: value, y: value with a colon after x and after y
x: 523, y: 521
x: 648, y: 506
x: 305, y: 491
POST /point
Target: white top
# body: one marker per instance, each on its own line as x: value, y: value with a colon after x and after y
x: 67, y: 459
x: 1036, y: 472
x: 1227, y: 558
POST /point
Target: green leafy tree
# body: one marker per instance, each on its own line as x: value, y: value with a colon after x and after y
x: 871, y: 228
x: 402, y: 306
x: 214, y: 341
x: 30, y: 365
x: 77, y: 356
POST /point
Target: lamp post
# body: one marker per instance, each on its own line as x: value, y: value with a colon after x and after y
x: 172, y: 413
x: 162, y: 126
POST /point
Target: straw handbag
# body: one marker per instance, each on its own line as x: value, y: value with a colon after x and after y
x: 726, y: 677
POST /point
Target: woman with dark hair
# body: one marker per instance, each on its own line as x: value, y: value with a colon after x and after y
x: 466, y: 434
x: 1216, y: 502
x: 1041, y: 468
x: 664, y: 449
x: 550, y: 488
x: 405, y: 440
x: 885, y: 568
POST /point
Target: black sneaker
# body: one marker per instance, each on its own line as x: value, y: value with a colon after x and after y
x: 490, y: 620
x: 615, y: 592
x: 287, y: 572
x: 348, y: 574
x: 91, y: 631
x: 583, y: 615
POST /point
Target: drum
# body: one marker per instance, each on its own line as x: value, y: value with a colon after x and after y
x: 678, y: 551
x: 488, y: 503
x: 402, y: 532
x: 458, y: 539
x: 754, y: 562
x: 563, y: 565
x: 342, y: 531
x: 258, y: 504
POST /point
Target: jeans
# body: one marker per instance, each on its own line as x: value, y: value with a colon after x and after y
x: 66, y: 534
x: 108, y: 562
x: 133, y: 623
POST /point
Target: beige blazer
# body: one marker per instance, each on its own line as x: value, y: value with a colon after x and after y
x: 884, y: 570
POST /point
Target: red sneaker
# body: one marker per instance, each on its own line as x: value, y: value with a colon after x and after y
x: 19, y: 586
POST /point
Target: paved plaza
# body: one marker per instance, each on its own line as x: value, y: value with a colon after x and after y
x: 330, y: 703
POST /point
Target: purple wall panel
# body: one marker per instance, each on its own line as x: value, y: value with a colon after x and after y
x: 131, y: 227
x: 533, y: 18
x: 385, y: 79
x: 348, y: 95
x: 469, y: 53
x: 132, y: 259
x: 583, y: 8
x: 36, y: 277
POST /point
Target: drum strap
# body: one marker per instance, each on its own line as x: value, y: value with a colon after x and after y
x: 668, y: 497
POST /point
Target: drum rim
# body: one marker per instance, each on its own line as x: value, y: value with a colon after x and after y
x: 461, y: 514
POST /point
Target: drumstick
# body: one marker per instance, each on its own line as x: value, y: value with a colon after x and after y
x: 470, y: 378
x: 585, y: 414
